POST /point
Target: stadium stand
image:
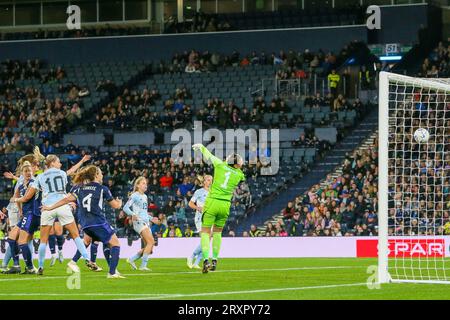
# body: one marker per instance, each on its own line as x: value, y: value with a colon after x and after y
x: 138, y: 95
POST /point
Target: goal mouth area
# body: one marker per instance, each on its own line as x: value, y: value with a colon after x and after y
x: 413, y: 212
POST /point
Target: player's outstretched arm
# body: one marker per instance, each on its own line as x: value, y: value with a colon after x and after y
x: 10, y: 176
x: 68, y: 199
x: 27, y: 197
x: 207, y: 154
x: 78, y: 165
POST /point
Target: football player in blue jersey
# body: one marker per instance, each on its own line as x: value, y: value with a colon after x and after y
x: 26, y: 177
x: 88, y: 241
x: 52, y: 184
x: 90, y: 196
x: 137, y: 208
x: 27, y: 167
x: 31, y: 218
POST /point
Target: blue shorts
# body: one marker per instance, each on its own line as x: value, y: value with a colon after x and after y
x: 30, y: 223
x: 102, y: 233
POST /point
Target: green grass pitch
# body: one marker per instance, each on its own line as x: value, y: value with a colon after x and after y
x: 302, y: 278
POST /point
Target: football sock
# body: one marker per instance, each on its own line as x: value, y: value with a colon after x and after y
x: 52, y: 243
x: 7, y: 257
x: 26, y: 253
x: 94, y: 249
x: 41, y: 252
x: 107, y: 253
x: 197, y: 252
x: 144, y: 260
x: 81, y: 247
x: 14, y: 251
x: 136, y: 257
x: 31, y: 247
x: 115, y: 254
x: 60, y: 241
x: 217, y: 242
x: 205, y: 245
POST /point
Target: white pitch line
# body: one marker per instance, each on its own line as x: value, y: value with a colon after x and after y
x: 207, y: 294
x: 243, y: 270
x: 83, y: 294
x: 149, y: 296
x: 180, y: 272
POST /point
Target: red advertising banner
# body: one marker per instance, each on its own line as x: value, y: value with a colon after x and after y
x: 403, y: 248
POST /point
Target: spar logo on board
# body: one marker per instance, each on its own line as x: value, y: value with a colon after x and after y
x: 403, y: 248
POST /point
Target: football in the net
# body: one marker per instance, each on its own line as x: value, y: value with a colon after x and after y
x: 421, y: 135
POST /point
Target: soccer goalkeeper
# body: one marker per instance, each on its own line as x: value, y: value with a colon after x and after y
x: 227, y: 176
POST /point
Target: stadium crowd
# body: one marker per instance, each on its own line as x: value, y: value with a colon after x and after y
x: 27, y: 107
x: 133, y: 109
x: 436, y: 65
x: 342, y: 206
x: 419, y: 184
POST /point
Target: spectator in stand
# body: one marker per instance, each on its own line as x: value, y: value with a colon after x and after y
x: 188, y: 232
x: 166, y: 181
x: 47, y: 148
x: 169, y: 209
x: 279, y: 230
x: 69, y: 147
x: 339, y: 103
x: 180, y: 212
x: 296, y: 227
x: 333, y: 82
x: 302, y: 141
x: 152, y: 208
x: 254, y: 232
x: 120, y: 224
x: 289, y: 211
x: 269, y: 228
x: 186, y: 187
x: 173, y: 231
x: 365, y: 78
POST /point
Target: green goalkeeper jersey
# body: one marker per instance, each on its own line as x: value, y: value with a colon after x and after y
x: 226, y: 178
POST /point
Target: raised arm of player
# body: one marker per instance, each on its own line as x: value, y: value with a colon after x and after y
x: 10, y: 176
x: 78, y: 165
x: 207, y: 154
x: 66, y: 200
x: 31, y: 191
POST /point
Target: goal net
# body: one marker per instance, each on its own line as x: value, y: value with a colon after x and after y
x: 414, y: 177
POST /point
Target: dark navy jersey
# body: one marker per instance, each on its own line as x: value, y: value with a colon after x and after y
x: 76, y: 213
x: 34, y: 204
x: 90, y: 199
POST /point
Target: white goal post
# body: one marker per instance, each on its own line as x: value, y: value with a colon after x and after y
x: 413, y: 180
